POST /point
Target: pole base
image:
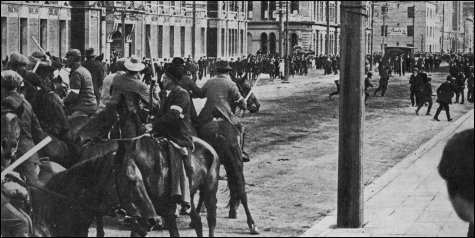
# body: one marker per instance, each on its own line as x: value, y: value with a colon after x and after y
x: 285, y: 80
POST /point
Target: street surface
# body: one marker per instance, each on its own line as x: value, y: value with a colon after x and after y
x: 293, y: 144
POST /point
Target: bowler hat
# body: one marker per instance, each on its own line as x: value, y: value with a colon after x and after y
x: 223, y: 65
x: 89, y: 52
x: 134, y: 64
x: 178, y: 61
x: 175, y: 71
x: 18, y: 60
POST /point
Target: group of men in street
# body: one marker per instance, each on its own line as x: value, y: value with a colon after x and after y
x: 94, y: 93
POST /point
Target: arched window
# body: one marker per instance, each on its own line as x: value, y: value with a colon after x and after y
x: 294, y: 40
x: 272, y: 43
x: 263, y: 43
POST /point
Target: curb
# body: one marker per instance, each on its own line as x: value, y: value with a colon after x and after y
x: 328, y: 223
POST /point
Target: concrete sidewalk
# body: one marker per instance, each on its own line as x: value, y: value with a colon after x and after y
x: 410, y: 199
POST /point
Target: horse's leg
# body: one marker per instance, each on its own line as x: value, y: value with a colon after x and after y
x: 171, y: 221
x: 210, y: 203
x: 233, y: 185
x: 195, y: 218
x: 200, y: 207
x: 99, y: 227
x: 250, y: 222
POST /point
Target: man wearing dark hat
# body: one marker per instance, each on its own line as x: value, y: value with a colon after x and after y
x: 173, y: 122
x: 425, y: 96
x: 177, y: 71
x: 81, y: 100
x: 445, y: 93
x: 31, y: 132
x: 416, y: 83
x: 97, y: 72
x: 220, y: 92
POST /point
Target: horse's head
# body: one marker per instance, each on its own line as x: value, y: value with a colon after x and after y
x: 132, y: 192
x: 10, y: 132
x: 130, y: 118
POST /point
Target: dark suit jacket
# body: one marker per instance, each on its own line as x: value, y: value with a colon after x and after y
x: 97, y: 72
x: 173, y: 119
x: 445, y: 93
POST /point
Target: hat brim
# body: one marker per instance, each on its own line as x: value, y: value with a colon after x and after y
x: 137, y: 67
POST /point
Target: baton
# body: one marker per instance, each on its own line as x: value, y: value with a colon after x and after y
x: 36, y: 43
x: 26, y: 156
x: 36, y: 66
x: 250, y: 91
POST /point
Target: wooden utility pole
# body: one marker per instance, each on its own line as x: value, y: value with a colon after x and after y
x: 384, y: 11
x: 327, y: 38
x: 372, y: 33
x: 280, y: 28
x: 123, y: 28
x: 193, y: 33
x: 351, y: 119
x: 443, y: 26
x: 286, y: 60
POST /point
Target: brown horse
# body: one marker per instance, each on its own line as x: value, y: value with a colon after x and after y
x: 69, y: 202
x: 225, y: 139
x: 153, y: 159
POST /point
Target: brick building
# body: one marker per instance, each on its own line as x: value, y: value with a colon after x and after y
x: 414, y: 24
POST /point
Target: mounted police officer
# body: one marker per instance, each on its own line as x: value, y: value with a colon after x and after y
x: 173, y: 122
x: 81, y: 100
x: 220, y: 93
x: 31, y: 132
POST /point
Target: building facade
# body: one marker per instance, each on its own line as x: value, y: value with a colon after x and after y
x: 152, y: 29
x: 47, y: 22
x: 307, y: 26
x: 412, y: 24
x: 227, y: 28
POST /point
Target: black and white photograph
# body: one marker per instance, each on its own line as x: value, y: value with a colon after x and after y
x: 237, y: 118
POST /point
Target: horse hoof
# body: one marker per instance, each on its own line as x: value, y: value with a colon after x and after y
x: 232, y: 214
x: 254, y: 230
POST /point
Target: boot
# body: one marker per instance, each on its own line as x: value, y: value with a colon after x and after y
x: 417, y: 111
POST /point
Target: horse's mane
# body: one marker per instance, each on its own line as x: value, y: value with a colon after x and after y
x: 49, y: 109
x: 81, y: 177
x: 85, y: 174
x: 97, y: 150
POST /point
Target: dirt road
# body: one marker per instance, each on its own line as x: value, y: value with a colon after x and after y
x: 293, y: 143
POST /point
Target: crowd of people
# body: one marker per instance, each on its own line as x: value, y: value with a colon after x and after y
x: 96, y: 87
x: 95, y: 90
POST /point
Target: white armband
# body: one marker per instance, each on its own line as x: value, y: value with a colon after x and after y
x: 179, y: 109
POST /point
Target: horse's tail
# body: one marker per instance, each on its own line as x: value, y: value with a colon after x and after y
x: 212, y: 164
x: 234, y: 169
